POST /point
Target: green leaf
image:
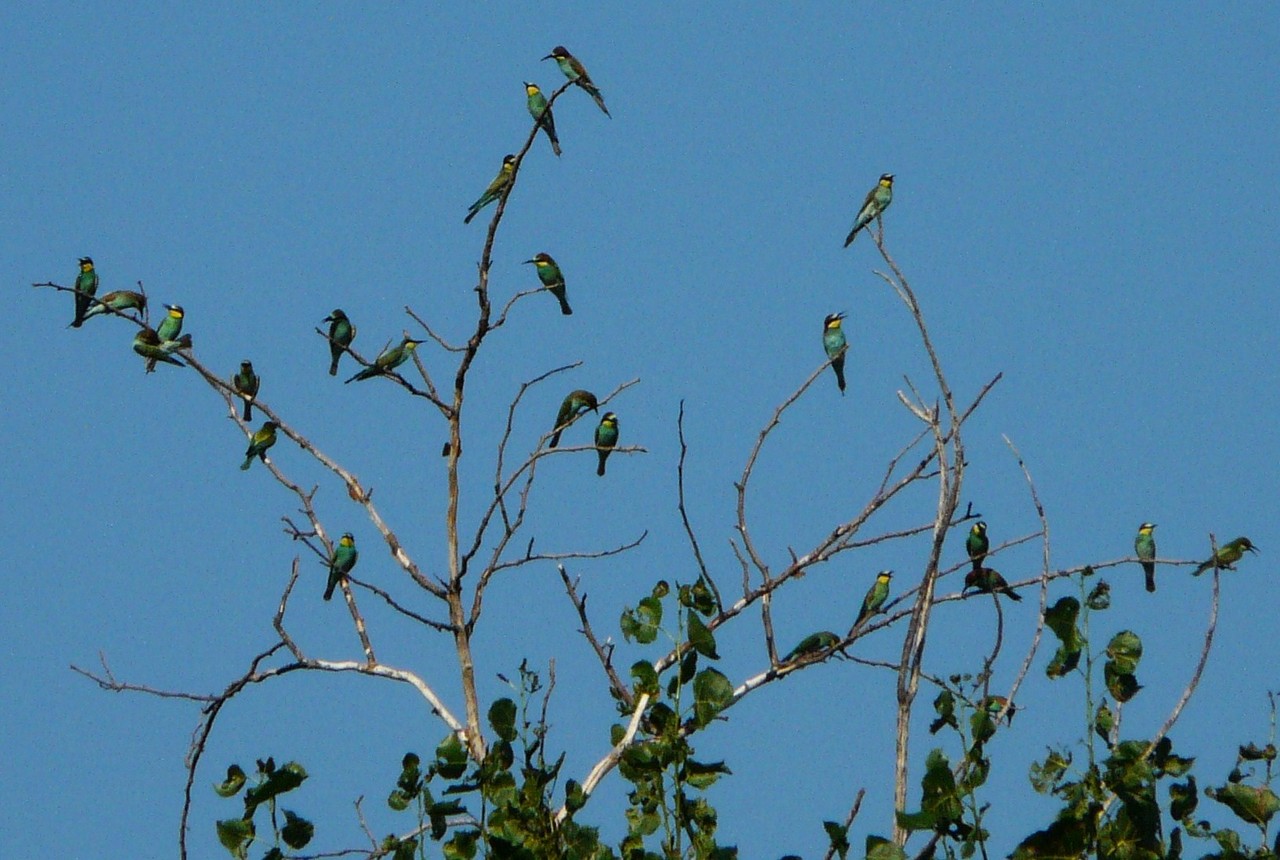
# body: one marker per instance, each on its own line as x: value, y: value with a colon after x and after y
x: 945, y: 705
x: 574, y: 797
x: 1045, y: 774
x: 1121, y: 685
x: 879, y: 848
x: 914, y: 821
x: 702, y: 639
x: 297, y: 831
x: 1100, y: 597
x: 1061, y: 619
x: 645, y: 677
x: 274, y: 854
x: 1251, y: 752
x: 1183, y: 799
x: 1104, y: 722
x: 1254, y: 804
x: 1064, y: 838
x: 410, y: 773
x: 712, y: 691
x: 838, y: 836
x: 703, y: 776
x: 1125, y: 651
x: 451, y: 757
x: 281, y: 780
x: 235, y: 834
x: 406, y: 849
x: 502, y: 718
x: 230, y: 786
x: 399, y: 800
x: 938, y: 789
x: 462, y: 846
x: 642, y: 623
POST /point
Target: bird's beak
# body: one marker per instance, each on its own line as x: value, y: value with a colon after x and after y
x: 548, y: 57
x: 1253, y: 548
x: 528, y: 261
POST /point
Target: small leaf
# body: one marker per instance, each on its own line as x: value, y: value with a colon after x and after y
x: 406, y: 849
x: 1121, y: 685
x: 703, y: 776
x: 281, y: 780
x: 502, y: 717
x: 1100, y: 597
x: 645, y: 677
x: 1125, y: 650
x: 235, y: 834
x: 838, y: 836
x: 712, y: 691
x: 399, y: 800
x: 451, y: 757
x: 230, y: 786
x: 1104, y: 722
x: 1183, y: 799
x: 1251, y: 752
x: 879, y: 848
x: 1254, y: 804
x: 462, y: 846
x: 297, y: 831
x: 574, y: 797
x: 702, y: 639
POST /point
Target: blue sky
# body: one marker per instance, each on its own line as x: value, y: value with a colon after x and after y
x: 1085, y: 201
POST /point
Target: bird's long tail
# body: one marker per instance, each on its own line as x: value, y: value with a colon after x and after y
x: 333, y: 365
x: 564, y: 305
x: 333, y: 583
x: 604, y: 455
x: 838, y: 367
x: 1149, y: 569
x: 595, y: 95
x: 248, y: 461
x: 248, y: 410
x: 555, y: 438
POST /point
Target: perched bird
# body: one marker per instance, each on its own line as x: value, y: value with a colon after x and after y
x: 574, y: 71
x: 549, y: 274
x: 876, y: 596
x: 499, y: 184
x: 344, y: 558
x: 833, y: 341
x: 169, y: 331
x: 977, y: 544
x: 1227, y: 555
x: 542, y: 114
x: 146, y: 343
x: 341, y: 333
x: 262, y: 439
x: 993, y: 705
x: 388, y: 360
x: 878, y: 200
x: 987, y: 580
x: 606, y: 438
x: 577, y: 403
x: 86, y: 288
x: 1145, y: 546
x: 120, y: 300
x: 812, y: 644
x: 246, y: 385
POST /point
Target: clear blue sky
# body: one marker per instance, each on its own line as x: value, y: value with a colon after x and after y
x: 1085, y: 200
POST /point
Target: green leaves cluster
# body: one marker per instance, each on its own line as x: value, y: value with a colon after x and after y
x: 238, y: 834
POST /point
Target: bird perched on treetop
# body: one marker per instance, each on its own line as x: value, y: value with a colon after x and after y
x: 878, y: 200
x: 1145, y: 546
x: 552, y: 279
x: 120, y: 300
x: 833, y: 341
x: 541, y: 114
x: 146, y: 343
x: 169, y: 332
x: 246, y: 384
x: 812, y: 644
x: 388, y: 360
x: 876, y: 596
x: 606, y: 438
x: 987, y: 580
x: 495, y: 189
x: 259, y: 442
x: 1227, y: 555
x: 341, y: 333
x: 977, y: 544
x: 86, y: 288
x: 576, y: 72
x: 344, y: 558
x: 576, y: 403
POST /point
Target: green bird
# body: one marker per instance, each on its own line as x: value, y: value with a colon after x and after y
x: 86, y: 288
x: 876, y: 596
x: 1227, y: 555
x: 576, y: 72
x: 823, y: 640
x: 606, y: 438
x: 496, y: 188
x: 146, y: 343
x: 262, y: 439
x: 833, y: 341
x: 388, y: 360
x: 987, y: 580
x: 993, y: 705
x: 977, y: 544
x: 246, y: 384
x: 169, y: 331
x: 542, y: 114
x: 552, y: 279
x: 577, y: 403
x: 878, y: 200
x: 120, y: 300
x: 341, y: 333
x: 344, y: 558
x: 1145, y: 546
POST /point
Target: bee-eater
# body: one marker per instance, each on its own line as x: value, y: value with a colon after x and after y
x: 542, y: 114
x: 833, y: 341
x: 552, y: 279
x: 987, y: 580
x: 499, y: 184
x: 811, y: 644
x: 120, y: 300
x: 574, y: 71
x: 341, y: 333
x: 577, y: 403
x: 878, y: 200
x: 246, y: 384
x: 977, y: 544
x: 86, y: 287
x: 1145, y: 546
x: 1227, y: 555
x: 344, y: 558
x: 993, y: 705
x: 146, y: 343
x: 876, y: 596
x: 606, y: 438
x: 388, y: 360
x: 168, y: 331
x: 262, y: 439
